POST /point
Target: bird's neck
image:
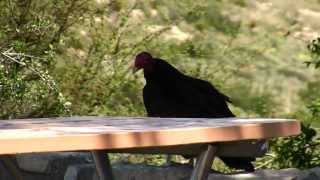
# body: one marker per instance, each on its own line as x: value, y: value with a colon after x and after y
x: 162, y: 72
x: 150, y: 76
x: 163, y: 77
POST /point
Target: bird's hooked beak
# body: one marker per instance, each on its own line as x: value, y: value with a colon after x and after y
x: 134, y: 69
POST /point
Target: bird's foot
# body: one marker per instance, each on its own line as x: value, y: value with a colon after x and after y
x: 177, y: 164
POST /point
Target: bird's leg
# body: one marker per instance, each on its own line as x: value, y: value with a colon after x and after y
x: 168, y: 160
x: 191, y: 162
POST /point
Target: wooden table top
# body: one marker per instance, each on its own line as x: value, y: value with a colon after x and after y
x: 94, y: 133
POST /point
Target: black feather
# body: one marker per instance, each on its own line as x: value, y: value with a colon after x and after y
x: 169, y: 93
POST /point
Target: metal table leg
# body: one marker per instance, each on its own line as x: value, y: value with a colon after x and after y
x: 204, y: 163
x: 103, y: 165
x: 9, y: 162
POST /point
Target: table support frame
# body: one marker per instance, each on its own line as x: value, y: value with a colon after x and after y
x: 204, y: 163
x: 200, y: 172
x: 103, y: 165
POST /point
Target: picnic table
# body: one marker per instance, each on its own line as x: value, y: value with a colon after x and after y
x: 204, y: 138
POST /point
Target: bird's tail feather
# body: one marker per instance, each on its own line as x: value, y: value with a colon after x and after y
x: 244, y: 163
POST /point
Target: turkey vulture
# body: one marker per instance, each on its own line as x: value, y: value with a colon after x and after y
x: 170, y: 93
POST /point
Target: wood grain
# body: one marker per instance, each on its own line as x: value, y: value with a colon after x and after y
x: 98, y: 133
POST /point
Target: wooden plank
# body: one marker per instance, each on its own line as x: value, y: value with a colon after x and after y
x: 99, y: 133
x: 204, y: 163
x: 103, y: 165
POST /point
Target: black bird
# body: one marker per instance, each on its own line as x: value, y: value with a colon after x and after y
x: 170, y: 93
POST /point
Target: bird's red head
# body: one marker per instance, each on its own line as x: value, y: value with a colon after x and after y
x: 144, y: 60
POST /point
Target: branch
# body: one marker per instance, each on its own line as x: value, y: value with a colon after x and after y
x: 7, y: 54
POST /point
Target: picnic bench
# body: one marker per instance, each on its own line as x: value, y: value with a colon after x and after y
x: 204, y: 138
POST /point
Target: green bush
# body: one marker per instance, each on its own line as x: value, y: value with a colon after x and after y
x: 302, y: 151
x: 73, y: 57
x: 30, y: 32
x: 314, y: 48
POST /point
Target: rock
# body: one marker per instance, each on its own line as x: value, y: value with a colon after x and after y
x: 310, y: 174
x: 124, y: 171
x: 81, y: 172
x: 316, y: 171
x: 51, y: 162
x: 79, y: 166
x: 143, y: 172
x: 266, y: 174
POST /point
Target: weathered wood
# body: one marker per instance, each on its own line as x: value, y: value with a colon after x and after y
x: 204, y: 163
x: 113, y: 133
x: 103, y: 165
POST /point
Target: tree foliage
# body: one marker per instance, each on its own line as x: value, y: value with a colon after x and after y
x: 30, y: 31
x: 73, y: 57
x: 302, y: 151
